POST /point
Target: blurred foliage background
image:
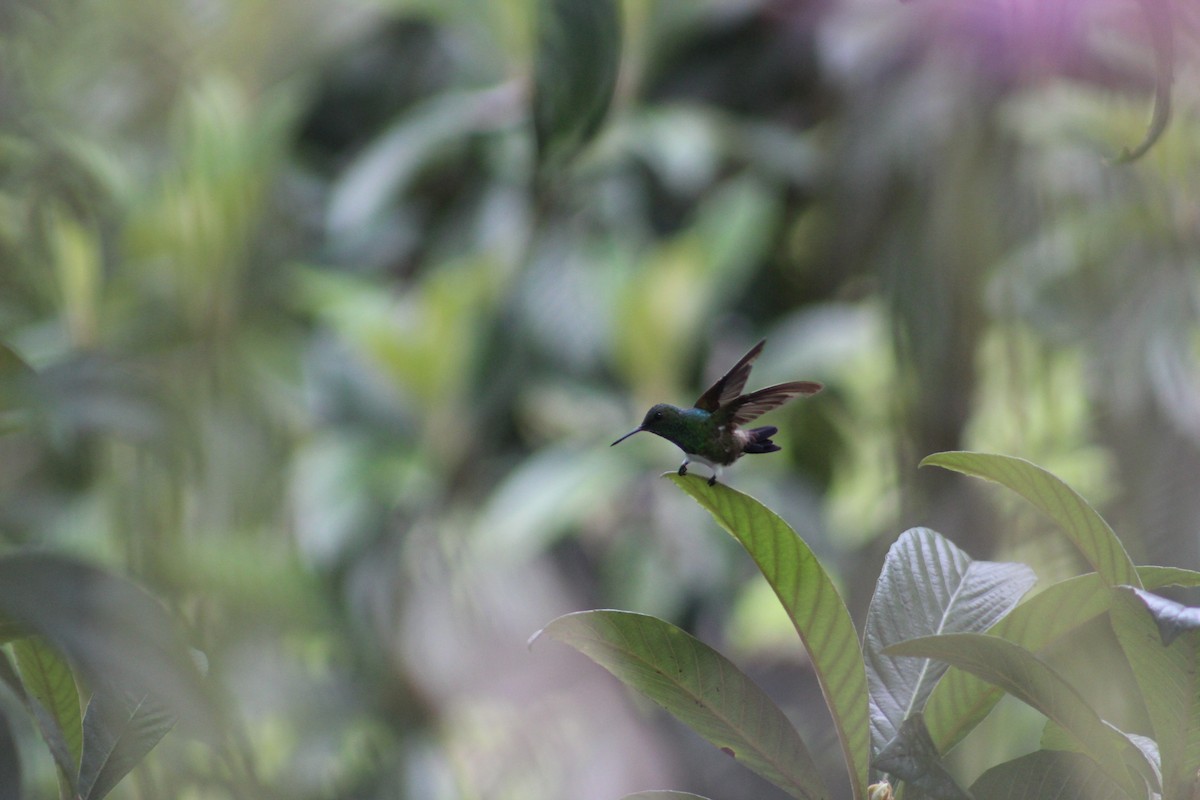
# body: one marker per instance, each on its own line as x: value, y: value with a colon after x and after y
x: 318, y: 366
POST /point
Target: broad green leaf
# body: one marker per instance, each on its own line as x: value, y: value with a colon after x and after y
x: 928, y: 586
x: 912, y: 757
x: 1169, y: 680
x: 814, y: 606
x: 119, y: 729
x: 1046, y: 775
x: 48, y: 679
x: 111, y: 629
x: 575, y: 73
x: 960, y: 700
x: 700, y: 687
x: 1021, y: 674
x: 1082, y: 524
x: 663, y: 794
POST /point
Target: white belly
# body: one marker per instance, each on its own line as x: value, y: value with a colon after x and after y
x: 701, y: 460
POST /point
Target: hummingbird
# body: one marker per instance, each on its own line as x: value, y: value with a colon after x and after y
x: 710, y: 432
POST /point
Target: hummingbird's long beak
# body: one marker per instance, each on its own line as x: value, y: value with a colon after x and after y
x: 626, y: 436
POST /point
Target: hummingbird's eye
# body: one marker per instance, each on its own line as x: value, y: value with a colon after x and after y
x: 658, y: 415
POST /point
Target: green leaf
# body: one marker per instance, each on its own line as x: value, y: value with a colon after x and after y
x: 700, y: 687
x: 575, y: 73
x: 1055, y: 738
x: 1046, y: 775
x: 1158, y: 577
x: 49, y: 681
x: 1169, y: 680
x: 1086, y: 528
x: 814, y: 606
x: 960, y: 700
x: 928, y: 586
x: 119, y: 729
x: 912, y: 757
x: 1021, y: 674
x: 111, y: 629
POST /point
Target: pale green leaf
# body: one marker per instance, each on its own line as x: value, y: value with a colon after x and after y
x: 1082, y: 524
x: 700, y: 687
x: 1169, y: 680
x: 814, y: 606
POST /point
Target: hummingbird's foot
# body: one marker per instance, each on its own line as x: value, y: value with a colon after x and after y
x: 712, y: 481
x: 683, y: 469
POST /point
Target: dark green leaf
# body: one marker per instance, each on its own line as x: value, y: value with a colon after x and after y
x: 108, y: 627
x: 1025, y: 677
x: 928, y: 586
x: 1046, y: 775
x: 119, y: 729
x: 700, y: 687
x: 50, y: 683
x: 1169, y: 679
x: 1086, y: 528
x: 814, y: 606
x: 578, y: 58
x: 912, y: 757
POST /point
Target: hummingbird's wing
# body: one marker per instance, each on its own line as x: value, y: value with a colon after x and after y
x: 731, y: 383
x: 755, y: 404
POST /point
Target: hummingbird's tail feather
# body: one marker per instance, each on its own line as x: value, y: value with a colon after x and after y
x: 760, y: 440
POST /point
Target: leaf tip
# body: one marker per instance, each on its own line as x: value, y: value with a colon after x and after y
x: 937, y: 459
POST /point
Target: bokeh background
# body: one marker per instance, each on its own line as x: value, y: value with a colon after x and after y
x: 320, y: 368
